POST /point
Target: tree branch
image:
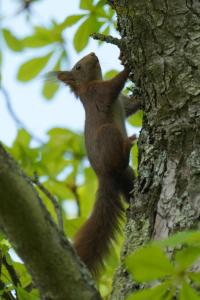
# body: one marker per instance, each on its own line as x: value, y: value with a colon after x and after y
x: 73, y: 189
x: 56, y: 270
x: 53, y: 199
x: 108, y: 39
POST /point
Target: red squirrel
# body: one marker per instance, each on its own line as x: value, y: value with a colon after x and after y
x: 108, y: 150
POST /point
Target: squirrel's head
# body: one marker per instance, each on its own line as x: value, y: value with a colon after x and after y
x: 85, y: 70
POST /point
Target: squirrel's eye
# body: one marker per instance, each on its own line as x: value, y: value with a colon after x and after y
x: 78, y: 67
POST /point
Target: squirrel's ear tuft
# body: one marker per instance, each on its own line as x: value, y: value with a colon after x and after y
x: 64, y: 76
x: 51, y: 76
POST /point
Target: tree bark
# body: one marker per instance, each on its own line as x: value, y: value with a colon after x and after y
x: 163, y: 49
x: 56, y: 270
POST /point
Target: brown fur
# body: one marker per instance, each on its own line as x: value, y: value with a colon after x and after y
x: 108, y: 149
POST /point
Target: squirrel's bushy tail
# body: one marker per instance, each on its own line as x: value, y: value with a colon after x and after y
x: 94, y: 238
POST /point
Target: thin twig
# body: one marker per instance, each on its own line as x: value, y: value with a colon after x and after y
x: 108, y: 39
x: 18, y: 122
x: 52, y: 198
x: 73, y: 189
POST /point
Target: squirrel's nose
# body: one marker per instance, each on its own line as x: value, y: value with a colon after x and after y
x: 92, y: 54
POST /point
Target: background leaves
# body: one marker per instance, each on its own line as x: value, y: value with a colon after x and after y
x: 60, y: 161
x: 173, y: 275
x: 33, y: 67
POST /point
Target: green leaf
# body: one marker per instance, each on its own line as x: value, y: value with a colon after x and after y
x: 86, y: 4
x: 12, y: 42
x: 4, y: 246
x: 60, y: 137
x: 71, y: 20
x: 32, y: 68
x: 8, y: 259
x: 106, y: 31
x: 35, y: 41
x: 136, y: 119
x: 23, y: 138
x: 149, y: 263
x: 185, y: 237
x: 134, y: 156
x: 110, y: 74
x: 22, y: 273
x: 82, y: 35
x: 87, y: 195
x: 159, y: 292
x: 49, y: 89
x: 186, y: 257
x: 63, y: 148
x: 43, y: 36
x: 188, y: 293
x: 195, y: 277
x: 71, y: 226
x: 23, y: 153
x: 59, y: 189
x: 111, y: 13
x: 24, y: 295
x: 111, y: 264
x: 99, y: 10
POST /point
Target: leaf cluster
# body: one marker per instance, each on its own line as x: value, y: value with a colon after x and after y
x: 52, y: 41
x: 60, y: 162
x: 166, y: 269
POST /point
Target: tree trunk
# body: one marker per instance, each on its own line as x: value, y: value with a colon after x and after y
x: 163, y: 49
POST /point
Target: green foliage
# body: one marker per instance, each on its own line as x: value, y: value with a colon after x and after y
x: 22, y: 294
x: 159, y: 292
x: 187, y: 293
x: 71, y: 20
x: 86, y: 4
x: 10, y: 267
x: 173, y: 274
x: 96, y: 17
x: 13, y: 43
x: 33, y: 67
x: 136, y: 119
x: 81, y: 38
x: 60, y: 162
x: 146, y: 269
x: 108, y: 75
x: 42, y: 37
x: 134, y: 157
x: 49, y: 89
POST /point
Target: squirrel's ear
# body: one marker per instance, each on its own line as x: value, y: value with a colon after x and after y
x: 64, y: 76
